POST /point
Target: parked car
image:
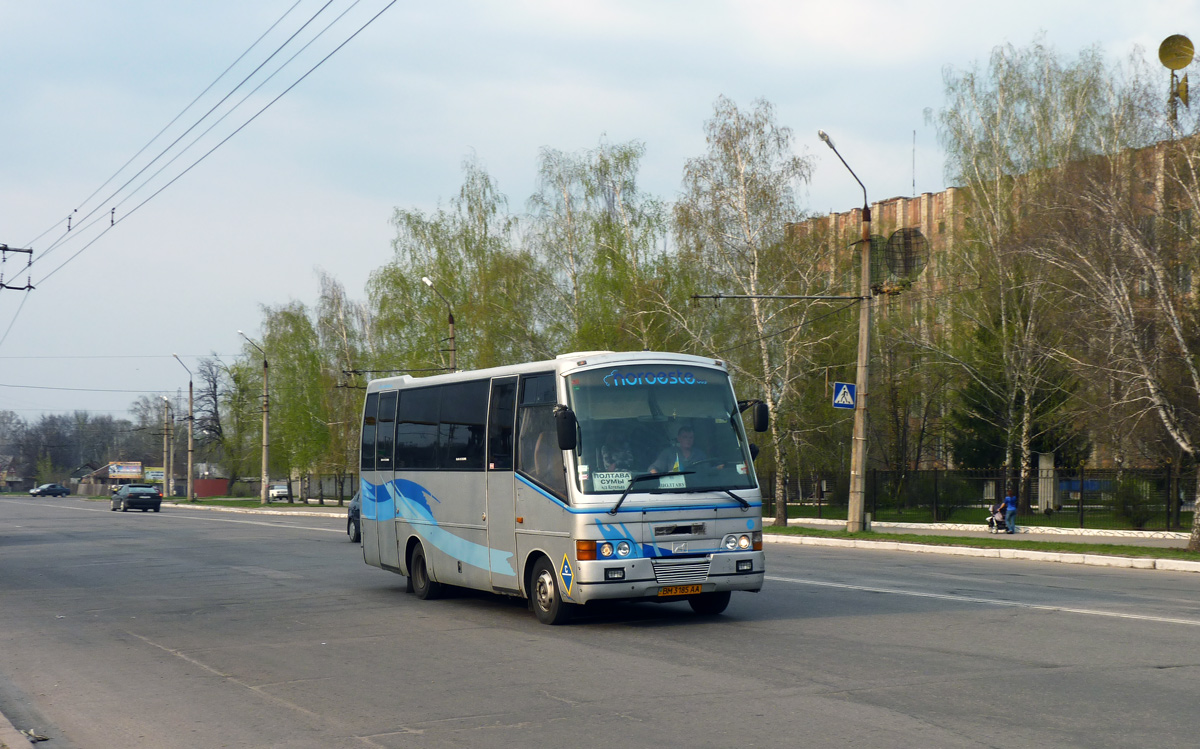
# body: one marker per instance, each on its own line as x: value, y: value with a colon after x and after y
x: 278, y: 491
x: 49, y: 490
x: 137, y: 497
x: 354, y: 519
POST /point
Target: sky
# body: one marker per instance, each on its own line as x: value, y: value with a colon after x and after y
x: 196, y: 247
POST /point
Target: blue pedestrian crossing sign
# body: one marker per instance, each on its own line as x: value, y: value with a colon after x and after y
x: 843, y: 395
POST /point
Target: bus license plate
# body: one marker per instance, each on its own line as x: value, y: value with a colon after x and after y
x: 679, y: 590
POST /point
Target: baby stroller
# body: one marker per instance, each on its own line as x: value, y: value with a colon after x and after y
x: 996, y: 522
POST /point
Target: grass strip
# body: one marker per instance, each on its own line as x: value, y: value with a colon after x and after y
x: 981, y: 542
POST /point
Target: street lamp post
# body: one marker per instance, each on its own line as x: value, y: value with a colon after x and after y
x: 191, y: 486
x: 450, y: 314
x: 266, y: 411
x: 166, y: 445
x: 858, y: 454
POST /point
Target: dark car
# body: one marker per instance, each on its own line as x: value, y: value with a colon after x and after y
x: 50, y: 490
x: 137, y: 497
x: 354, y: 519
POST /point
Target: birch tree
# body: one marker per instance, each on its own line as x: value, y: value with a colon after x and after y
x: 731, y: 228
x: 600, y: 241
x: 1010, y: 132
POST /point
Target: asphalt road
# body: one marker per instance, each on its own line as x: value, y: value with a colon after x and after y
x: 202, y: 629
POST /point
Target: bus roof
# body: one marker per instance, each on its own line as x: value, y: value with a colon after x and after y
x: 560, y: 364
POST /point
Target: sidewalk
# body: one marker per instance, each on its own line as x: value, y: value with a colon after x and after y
x: 1074, y: 535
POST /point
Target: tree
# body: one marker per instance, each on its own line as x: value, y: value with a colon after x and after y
x: 299, y: 422
x: 468, y: 251
x: 731, y: 227
x: 1010, y: 133
x: 342, y: 327
x: 599, y: 242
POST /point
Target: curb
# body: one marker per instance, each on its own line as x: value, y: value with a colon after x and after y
x: 250, y: 511
x: 1092, y: 560
x: 10, y: 737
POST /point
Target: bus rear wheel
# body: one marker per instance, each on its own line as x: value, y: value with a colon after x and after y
x: 544, y: 596
x: 709, y: 604
x: 418, y: 575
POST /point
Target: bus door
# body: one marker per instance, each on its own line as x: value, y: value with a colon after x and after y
x: 385, y: 436
x: 501, y: 503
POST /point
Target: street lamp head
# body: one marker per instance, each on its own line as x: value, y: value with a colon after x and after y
x: 426, y: 281
x: 241, y: 333
x: 825, y: 137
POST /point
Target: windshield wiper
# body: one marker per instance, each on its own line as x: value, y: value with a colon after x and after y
x: 745, y: 505
x: 643, y: 477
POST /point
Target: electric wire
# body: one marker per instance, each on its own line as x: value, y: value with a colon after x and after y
x: 222, y: 142
x: 199, y: 96
x: 54, y: 245
x: 235, y: 107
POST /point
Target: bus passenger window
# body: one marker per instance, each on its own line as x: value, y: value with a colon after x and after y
x: 417, y: 430
x: 368, y: 432
x: 385, y: 430
x: 500, y: 424
x: 461, y: 425
x: 538, y: 456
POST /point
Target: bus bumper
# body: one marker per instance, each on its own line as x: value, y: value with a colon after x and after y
x: 667, y: 578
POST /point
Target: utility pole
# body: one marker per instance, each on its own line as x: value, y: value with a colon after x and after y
x: 858, y: 452
x: 264, y: 498
x: 191, y: 486
x: 450, y: 314
x: 166, y: 438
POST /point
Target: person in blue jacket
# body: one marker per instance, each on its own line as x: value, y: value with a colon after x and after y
x: 1010, y: 512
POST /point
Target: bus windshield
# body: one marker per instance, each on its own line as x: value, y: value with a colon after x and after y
x: 659, y: 419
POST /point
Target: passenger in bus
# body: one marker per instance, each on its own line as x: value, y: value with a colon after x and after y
x: 680, y: 455
x: 615, y: 455
x: 547, y: 460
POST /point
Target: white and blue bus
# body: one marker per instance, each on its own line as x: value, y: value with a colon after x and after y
x: 594, y: 476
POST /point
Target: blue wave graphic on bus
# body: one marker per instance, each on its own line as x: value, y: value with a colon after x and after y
x: 409, y: 501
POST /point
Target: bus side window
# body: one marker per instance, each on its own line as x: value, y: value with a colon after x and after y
x: 538, y: 455
x: 368, y: 432
x: 461, y: 425
x: 385, y: 431
x: 500, y: 424
x: 417, y: 429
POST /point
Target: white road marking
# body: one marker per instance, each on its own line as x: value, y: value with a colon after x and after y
x: 988, y: 601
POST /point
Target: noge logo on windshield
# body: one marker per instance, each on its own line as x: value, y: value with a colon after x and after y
x: 616, y: 378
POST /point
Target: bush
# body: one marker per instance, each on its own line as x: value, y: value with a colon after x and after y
x: 1133, y: 502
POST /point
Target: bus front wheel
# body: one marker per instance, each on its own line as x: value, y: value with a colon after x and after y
x: 709, y: 604
x: 418, y: 575
x: 545, y: 598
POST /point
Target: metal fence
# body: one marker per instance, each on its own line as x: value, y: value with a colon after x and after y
x: 1146, y: 499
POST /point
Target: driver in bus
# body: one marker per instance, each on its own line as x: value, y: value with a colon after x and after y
x: 680, y: 455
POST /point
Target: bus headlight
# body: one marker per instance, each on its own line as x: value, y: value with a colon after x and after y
x: 623, y: 549
x: 734, y: 542
x: 605, y: 549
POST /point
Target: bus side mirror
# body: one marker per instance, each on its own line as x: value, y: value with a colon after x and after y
x: 762, y: 418
x: 567, y: 426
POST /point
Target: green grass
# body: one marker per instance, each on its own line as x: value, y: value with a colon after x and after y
x: 987, y: 542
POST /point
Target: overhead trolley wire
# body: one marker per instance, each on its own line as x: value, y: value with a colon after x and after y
x: 69, y: 233
x: 225, y: 139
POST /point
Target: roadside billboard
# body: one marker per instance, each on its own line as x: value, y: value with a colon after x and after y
x: 151, y: 475
x: 125, y: 470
